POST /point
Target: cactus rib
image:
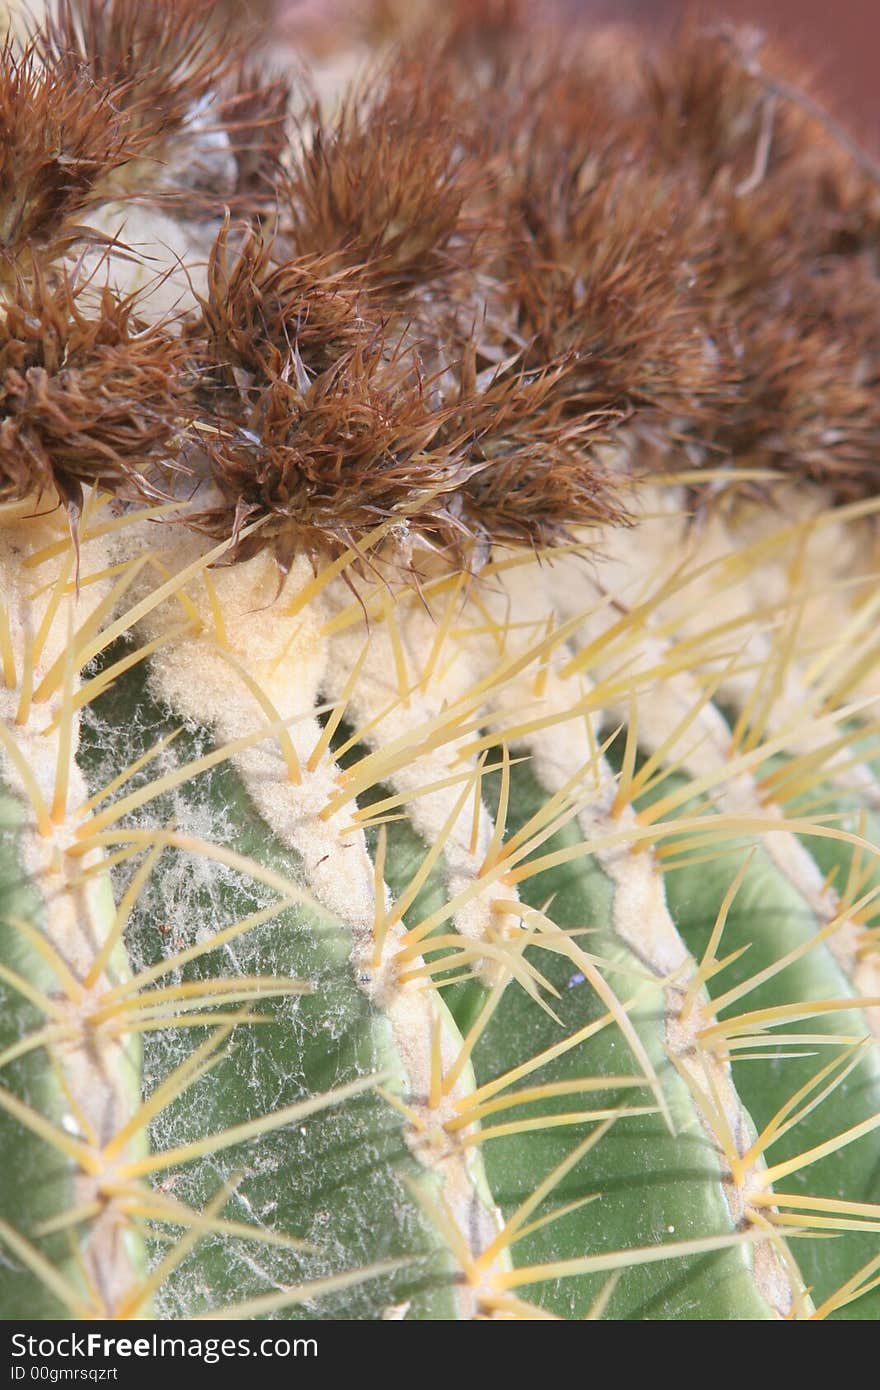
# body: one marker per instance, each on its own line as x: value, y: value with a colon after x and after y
x: 438, y: 768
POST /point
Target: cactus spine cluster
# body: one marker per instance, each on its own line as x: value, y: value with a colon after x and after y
x: 439, y: 802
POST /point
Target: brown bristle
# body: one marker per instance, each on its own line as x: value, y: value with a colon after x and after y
x: 807, y: 401
x: 603, y: 261
x: 792, y: 304
x: 323, y: 424
x: 326, y: 461
x: 489, y: 33
x: 706, y: 109
x: 59, y: 138
x: 261, y: 319
x: 611, y: 284
x: 254, y: 114
x: 385, y: 185
x: 88, y: 394
x: 165, y: 55
x: 473, y: 26
x: 528, y: 443
x: 518, y: 266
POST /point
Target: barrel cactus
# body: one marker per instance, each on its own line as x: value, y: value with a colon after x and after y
x: 439, y: 804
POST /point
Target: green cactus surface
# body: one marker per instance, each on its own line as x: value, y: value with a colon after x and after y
x: 439, y: 774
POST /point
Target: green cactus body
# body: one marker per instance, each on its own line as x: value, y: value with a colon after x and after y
x: 391, y: 930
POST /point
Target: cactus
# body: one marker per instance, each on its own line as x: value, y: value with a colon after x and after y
x: 439, y: 799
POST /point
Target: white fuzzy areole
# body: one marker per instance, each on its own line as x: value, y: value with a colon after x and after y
x: 26, y: 593
x: 95, y: 1069
x: 415, y: 706
x: 640, y: 916
x: 641, y: 920
x: 634, y: 564
x: 290, y: 661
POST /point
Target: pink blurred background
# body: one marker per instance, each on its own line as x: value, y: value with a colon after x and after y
x: 839, y: 41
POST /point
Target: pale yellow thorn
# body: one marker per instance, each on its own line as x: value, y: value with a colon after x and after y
x: 547, y: 1091
x: 150, y: 1205
x: 143, y: 1292
x: 276, y: 723
x: 180, y: 775
x: 380, y: 914
x: 781, y: 1013
x: 513, y: 1226
x: 574, y: 1117
x: 557, y: 1214
x: 40, y: 943
x: 89, y: 640
x: 476, y: 814
x: 197, y: 994
x: 707, y: 1104
x: 220, y: 634
x: 402, y: 905
x: 105, y: 528
x: 789, y: 1115
x: 51, y: 1008
x: 338, y: 712
x: 31, y: 1119
x: 442, y: 632
x: 251, y: 1129
x: 43, y: 1037
x: 131, y: 770
x: 409, y: 1113
x: 139, y: 610
x: 121, y: 916
x: 625, y: 1259
x: 303, y: 1293
x: 435, y: 1087
x: 819, y: 1151
x: 397, y: 651
x: 121, y: 1027
x: 599, y: 1306
x: 66, y: 733
x: 705, y: 970
x: 549, y: 1054
x: 73, y: 1216
x: 494, y: 851
x: 7, y: 651
x: 48, y: 1275
x: 90, y: 691
x: 861, y: 1283
x: 474, y: 1033
x: 193, y: 844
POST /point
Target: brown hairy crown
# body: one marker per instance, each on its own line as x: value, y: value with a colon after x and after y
x: 164, y: 55
x: 168, y: 61
x: 261, y: 318
x: 311, y: 420
x: 706, y: 109
x: 386, y: 184
x: 322, y: 462
x: 504, y: 246
x: 59, y: 140
x: 529, y: 444
x: 253, y: 113
x: 322, y: 424
x: 603, y: 259
x: 88, y: 394
x: 793, y: 300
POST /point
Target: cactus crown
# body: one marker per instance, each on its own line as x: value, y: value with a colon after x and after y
x: 438, y: 868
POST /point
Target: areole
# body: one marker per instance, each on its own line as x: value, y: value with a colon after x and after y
x: 437, y: 588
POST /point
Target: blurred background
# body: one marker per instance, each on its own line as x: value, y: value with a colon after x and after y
x: 840, y: 42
